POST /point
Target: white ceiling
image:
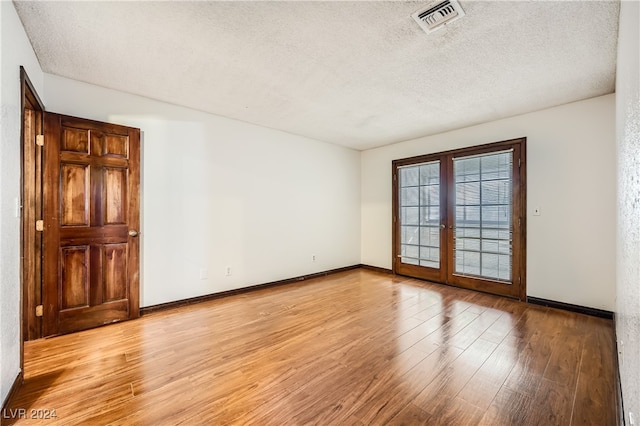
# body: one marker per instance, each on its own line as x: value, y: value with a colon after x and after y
x: 360, y: 74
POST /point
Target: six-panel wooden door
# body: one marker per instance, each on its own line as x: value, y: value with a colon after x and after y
x: 91, y: 223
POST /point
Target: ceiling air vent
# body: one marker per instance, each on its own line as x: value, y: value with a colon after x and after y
x: 436, y: 14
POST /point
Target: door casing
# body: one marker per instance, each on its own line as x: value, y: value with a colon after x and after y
x: 32, y: 116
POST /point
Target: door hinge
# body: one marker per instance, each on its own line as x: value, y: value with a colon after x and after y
x: 39, y: 225
x: 40, y: 140
x: 518, y: 162
x: 39, y: 310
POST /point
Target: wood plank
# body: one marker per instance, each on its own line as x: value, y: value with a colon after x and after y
x: 410, y: 415
x: 454, y: 377
x: 510, y: 407
x: 455, y: 411
x: 534, y: 357
x: 553, y: 404
x: 564, y: 361
x: 387, y: 403
x: 482, y: 388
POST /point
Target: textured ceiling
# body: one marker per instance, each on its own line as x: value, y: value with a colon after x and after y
x: 359, y: 74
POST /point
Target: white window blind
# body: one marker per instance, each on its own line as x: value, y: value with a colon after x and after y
x: 483, y: 227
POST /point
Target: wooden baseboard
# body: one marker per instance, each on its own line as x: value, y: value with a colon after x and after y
x: 183, y: 302
x: 14, y: 389
x: 376, y: 269
x: 569, y: 307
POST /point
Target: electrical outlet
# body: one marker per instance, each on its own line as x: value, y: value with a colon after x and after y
x: 204, y: 274
x: 228, y: 271
x: 632, y: 419
x: 313, y: 257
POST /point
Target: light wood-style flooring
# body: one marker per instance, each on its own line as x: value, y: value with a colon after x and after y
x: 354, y: 348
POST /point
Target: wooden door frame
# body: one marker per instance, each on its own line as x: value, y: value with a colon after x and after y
x: 31, y: 210
x: 519, y: 200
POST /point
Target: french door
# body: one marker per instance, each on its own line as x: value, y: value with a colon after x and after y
x: 459, y: 217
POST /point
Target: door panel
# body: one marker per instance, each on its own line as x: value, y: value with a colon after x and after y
x: 115, y: 146
x: 74, y: 278
x: 115, y: 196
x: 420, y: 247
x: 74, y: 192
x: 485, y: 220
x: 483, y: 216
x: 91, y: 263
x: 114, y: 264
x: 74, y: 140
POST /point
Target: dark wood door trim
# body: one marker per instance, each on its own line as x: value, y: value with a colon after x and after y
x: 31, y: 119
x: 28, y: 94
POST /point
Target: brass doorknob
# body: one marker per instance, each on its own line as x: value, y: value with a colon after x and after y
x: 133, y: 233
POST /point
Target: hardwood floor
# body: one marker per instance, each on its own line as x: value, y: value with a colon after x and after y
x: 354, y: 348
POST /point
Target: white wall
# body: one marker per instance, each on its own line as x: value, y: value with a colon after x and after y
x: 218, y: 192
x: 16, y: 50
x: 628, y: 267
x: 570, y: 175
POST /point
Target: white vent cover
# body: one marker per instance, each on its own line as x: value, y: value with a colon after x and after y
x: 438, y: 13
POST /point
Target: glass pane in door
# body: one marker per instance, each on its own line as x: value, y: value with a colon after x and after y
x: 483, y: 226
x: 419, y: 202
